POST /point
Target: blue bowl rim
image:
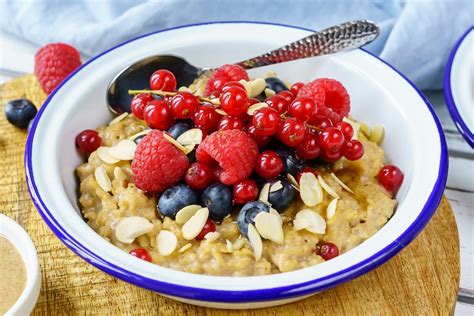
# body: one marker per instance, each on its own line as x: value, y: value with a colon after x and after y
x: 244, y: 296
x: 448, y: 93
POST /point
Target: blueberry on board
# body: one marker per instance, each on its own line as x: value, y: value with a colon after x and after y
x: 275, y: 84
x: 20, y: 112
x: 179, y: 128
x: 175, y: 198
x: 282, y: 199
x: 247, y: 214
x: 218, y: 199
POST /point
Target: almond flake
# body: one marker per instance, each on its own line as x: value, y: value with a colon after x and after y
x: 188, y: 148
x: 377, y: 134
x: 229, y: 245
x: 194, y: 225
x: 275, y: 212
x: 255, y: 107
x: 255, y: 241
x: 310, y: 191
x: 239, y: 243
x: 102, y: 179
x: 124, y: 150
x: 145, y: 132
x: 166, y: 242
x: 300, y: 223
x: 257, y: 86
x: 263, y: 196
x: 327, y: 188
x: 185, y: 247
x: 221, y: 112
x: 120, y: 175
x: 175, y: 143
x: 184, y: 89
x: 331, y: 209
x: 276, y: 186
x: 184, y: 214
x: 269, y: 227
x: 312, y: 221
x: 342, y: 184
x: 118, y: 118
x: 190, y: 137
x: 212, y: 236
x: 103, y: 154
x: 269, y: 92
x: 130, y: 228
x: 364, y: 128
x: 247, y: 86
x: 293, y: 181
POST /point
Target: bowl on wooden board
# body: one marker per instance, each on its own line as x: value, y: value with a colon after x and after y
x: 414, y: 141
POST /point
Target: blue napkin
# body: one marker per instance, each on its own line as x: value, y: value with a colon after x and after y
x: 416, y: 38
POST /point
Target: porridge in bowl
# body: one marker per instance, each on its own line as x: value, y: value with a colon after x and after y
x: 236, y: 177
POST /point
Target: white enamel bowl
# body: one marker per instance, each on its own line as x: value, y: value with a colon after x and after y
x: 414, y: 142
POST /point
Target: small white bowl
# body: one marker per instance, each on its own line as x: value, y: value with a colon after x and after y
x: 15, y: 234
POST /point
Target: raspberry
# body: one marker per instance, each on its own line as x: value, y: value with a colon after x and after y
x: 223, y: 75
x: 158, y: 164
x: 233, y: 150
x: 331, y: 97
x: 53, y: 63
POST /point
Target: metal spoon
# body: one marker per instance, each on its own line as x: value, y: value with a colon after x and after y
x: 342, y: 37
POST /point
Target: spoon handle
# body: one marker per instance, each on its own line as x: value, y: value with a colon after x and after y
x: 342, y: 37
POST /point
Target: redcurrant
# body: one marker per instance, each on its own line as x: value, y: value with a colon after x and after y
x: 353, y: 150
x: 346, y: 129
x: 209, y: 227
x: 303, y: 108
x: 199, y: 176
x: 391, y: 178
x: 234, y: 101
x: 329, y: 156
x: 266, y: 121
x: 327, y: 250
x: 231, y: 122
x: 207, y: 119
x: 88, y: 141
x: 289, y: 97
x: 278, y: 103
x: 158, y: 115
x: 331, y: 139
x: 320, y: 122
x: 141, y: 253
x: 296, y: 87
x: 269, y: 164
x: 216, y: 86
x: 245, y: 191
x: 163, y: 80
x: 309, y: 147
x: 292, y: 131
x: 232, y: 84
x: 184, y: 105
x: 138, y: 104
x: 259, y: 139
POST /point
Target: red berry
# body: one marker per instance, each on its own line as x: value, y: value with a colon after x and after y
x: 209, y: 227
x: 233, y: 150
x: 138, y: 104
x: 88, y: 141
x: 199, y: 176
x: 391, y: 178
x: 292, y: 131
x: 266, y: 121
x: 346, y: 129
x: 216, y: 85
x: 305, y: 170
x: 163, y: 80
x: 231, y: 122
x: 232, y: 84
x: 327, y: 250
x: 303, y: 108
x: 158, y: 164
x: 184, y: 105
x: 353, y: 150
x: 225, y: 74
x: 296, y: 87
x: 245, y: 191
x: 331, y: 139
x: 234, y: 101
x: 261, y: 140
x: 141, y: 253
x: 289, y: 97
x: 214, y: 95
x: 158, y: 115
x: 329, y: 156
x: 320, y: 122
x: 207, y: 119
x: 269, y: 165
x: 253, y: 101
x: 309, y: 147
x: 278, y: 103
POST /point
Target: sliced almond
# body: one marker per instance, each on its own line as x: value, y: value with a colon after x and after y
x: 166, y: 242
x: 194, y: 225
x: 364, y: 128
x: 221, y: 112
x: 102, y: 179
x: 269, y: 227
x: 229, y: 245
x: 355, y: 127
x: 255, y: 107
x: 212, y: 236
x: 327, y: 188
x: 300, y: 223
x: 247, y: 86
x: 293, y: 181
x: 124, y: 150
x: 186, y: 213
x: 255, y: 241
x: 263, y: 196
x: 130, y: 228
x: 103, y: 154
x: 185, y: 248
x: 310, y: 190
x: 119, y: 118
x: 175, y: 143
x: 145, y: 132
x: 377, y: 134
x: 216, y: 101
x: 269, y: 92
x: 275, y: 212
x: 276, y: 186
x: 342, y: 184
x: 184, y: 89
x: 190, y: 137
x: 257, y: 86
x: 120, y: 175
x: 239, y: 243
x: 313, y: 222
x: 188, y: 148
x: 331, y: 209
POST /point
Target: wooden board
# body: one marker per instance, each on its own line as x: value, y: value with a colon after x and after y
x: 422, y: 279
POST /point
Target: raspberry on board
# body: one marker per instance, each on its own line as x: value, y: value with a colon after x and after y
x: 158, y: 164
x: 223, y: 75
x: 234, y: 151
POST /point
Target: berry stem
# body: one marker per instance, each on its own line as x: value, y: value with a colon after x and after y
x: 167, y: 93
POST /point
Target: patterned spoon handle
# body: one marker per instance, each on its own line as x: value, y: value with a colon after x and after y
x: 342, y: 37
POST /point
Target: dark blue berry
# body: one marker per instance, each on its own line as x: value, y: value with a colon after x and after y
x: 218, y: 199
x: 20, y: 112
x: 276, y: 84
x: 247, y: 214
x: 138, y: 139
x: 282, y: 199
x: 175, y: 198
x: 291, y: 162
x: 179, y: 128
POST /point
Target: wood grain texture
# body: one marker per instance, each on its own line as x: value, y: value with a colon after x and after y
x: 422, y: 279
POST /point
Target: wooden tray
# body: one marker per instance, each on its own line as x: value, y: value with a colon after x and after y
x: 422, y: 279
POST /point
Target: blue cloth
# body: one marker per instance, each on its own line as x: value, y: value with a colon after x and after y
x: 416, y: 38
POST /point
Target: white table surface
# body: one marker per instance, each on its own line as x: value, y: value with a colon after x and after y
x: 16, y: 58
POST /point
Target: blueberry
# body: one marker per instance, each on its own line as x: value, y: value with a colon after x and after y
x: 192, y: 156
x: 20, y: 112
x: 291, y: 163
x: 218, y: 199
x: 138, y: 139
x: 179, y: 128
x: 276, y: 84
x: 247, y: 214
x: 282, y: 199
x: 175, y: 198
